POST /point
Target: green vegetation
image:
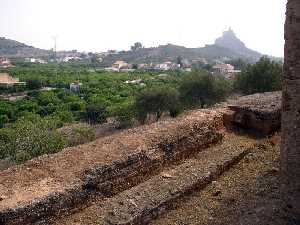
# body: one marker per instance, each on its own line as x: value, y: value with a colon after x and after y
x: 263, y: 76
x: 156, y: 101
x: 201, y: 89
x: 29, y: 126
x: 29, y: 138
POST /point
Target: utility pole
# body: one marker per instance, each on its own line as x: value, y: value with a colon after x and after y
x: 55, y: 46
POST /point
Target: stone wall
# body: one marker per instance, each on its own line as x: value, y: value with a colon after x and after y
x: 290, y: 149
x: 50, y: 185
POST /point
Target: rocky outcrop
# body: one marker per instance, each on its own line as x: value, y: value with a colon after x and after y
x: 230, y: 40
x: 260, y: 112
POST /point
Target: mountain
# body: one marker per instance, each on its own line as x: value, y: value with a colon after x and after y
x: 226, y: 47
x: 171, y: 52
x: 229, y: 40
x: 14, y: 49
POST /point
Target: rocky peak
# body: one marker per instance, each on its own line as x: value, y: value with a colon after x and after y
x: 231, y: 41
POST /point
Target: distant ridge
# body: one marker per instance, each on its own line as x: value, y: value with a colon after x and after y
x: 225, y: 48
x: 14, y: 49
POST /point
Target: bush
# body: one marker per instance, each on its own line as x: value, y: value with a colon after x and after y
x: 95, y: 114
x: 78, y: 134
x: 156, y: 101
x: 202, y: 89
x: 33, y: 84
x: 263, y: 76
x: 28, y: 139
x: 125, y: 116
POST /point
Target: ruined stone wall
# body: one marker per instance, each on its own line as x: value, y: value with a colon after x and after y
x: 50, y: 185
x: 290, y: 149
x: 259, y: 112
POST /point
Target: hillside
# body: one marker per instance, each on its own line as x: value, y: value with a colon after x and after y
x: 226, y: 47
x: 14, y: 49
x: 170, y: 52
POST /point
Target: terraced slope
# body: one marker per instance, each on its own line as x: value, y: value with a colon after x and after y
x: 51, y: 184
x: 137, y: 176
x: 143, y: 202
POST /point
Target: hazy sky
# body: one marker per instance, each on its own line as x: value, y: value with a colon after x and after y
x: 98, y: 25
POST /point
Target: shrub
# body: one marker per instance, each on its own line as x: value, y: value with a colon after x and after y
x: 28, y: 139
x: 78, y: 134
x: 202, y: 89
x: 125, y: 116
x: 263, y: 76
x: 156, y: 101
x: 95, y: 113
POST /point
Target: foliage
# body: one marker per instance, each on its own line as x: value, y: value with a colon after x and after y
x: 103, y: 94
x: 28, y: 139
x: 201, y: 88
x: 156, y: 101
x: 34, y: 84
x: 95, y: 114
x: 136, y: 46
x: 263, y: 76
x: 125, y: 116
x: 78, y: 134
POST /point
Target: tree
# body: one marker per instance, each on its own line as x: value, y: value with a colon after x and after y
x: 3, y: 120
x: 125, y: 116
x: 201, y: 88
x: 33, y: 84
x: 136, y: 46
x: 179, y: 61
x: 290, y: 146
x: 156, y: 101
x: 263, y: 76
x: 95, y: 114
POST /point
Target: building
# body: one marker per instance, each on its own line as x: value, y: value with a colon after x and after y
x: 71, y: 59
x: 226, y: 70
x: 7, y: 81
x: 167, y: 66
x: 5, y: 63
x: 34, y: 60
x: 223, y: 68
x: 121, y: 65
x: 75, y: 86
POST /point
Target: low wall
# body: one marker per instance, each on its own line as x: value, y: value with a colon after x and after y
x: 50, y: 185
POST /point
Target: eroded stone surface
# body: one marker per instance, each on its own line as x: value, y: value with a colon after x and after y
x: 261, y: 112
x: 142, y: 203
x: 290, y: 148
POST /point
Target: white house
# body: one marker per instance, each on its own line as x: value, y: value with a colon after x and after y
x: 75, y: 86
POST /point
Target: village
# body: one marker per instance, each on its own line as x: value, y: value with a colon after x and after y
x: 218, y: 69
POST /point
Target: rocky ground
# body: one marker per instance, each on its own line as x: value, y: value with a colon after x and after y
x: 247, y: 194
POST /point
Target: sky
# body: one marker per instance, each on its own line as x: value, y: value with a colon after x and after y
x: 99, y: 25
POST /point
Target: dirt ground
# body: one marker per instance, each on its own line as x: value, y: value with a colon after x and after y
x: 95, y: 213
x: 247, y: 194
